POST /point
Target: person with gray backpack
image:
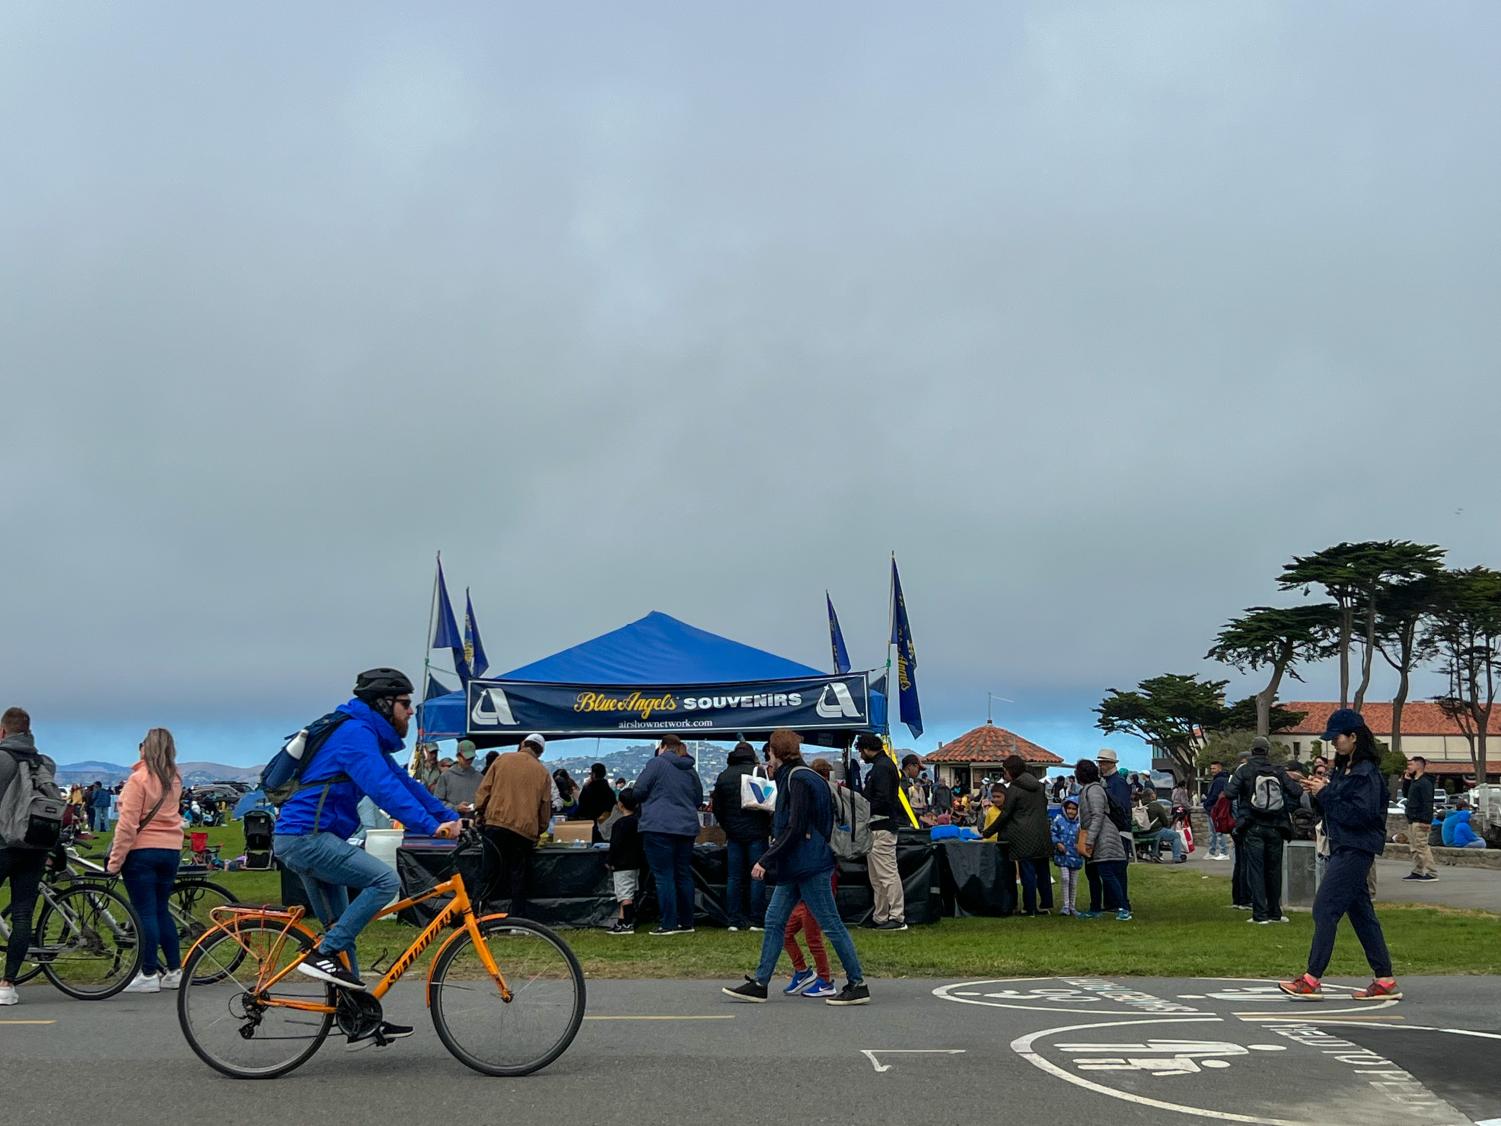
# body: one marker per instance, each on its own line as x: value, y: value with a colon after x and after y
x: 31, y: 824
x: 1266, y: 797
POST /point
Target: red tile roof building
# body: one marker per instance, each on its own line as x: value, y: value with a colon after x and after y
x: 989, y: 746
x: 1426, y: 730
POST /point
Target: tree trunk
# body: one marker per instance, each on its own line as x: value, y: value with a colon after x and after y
x: 1268, y: 695
x: 1346, y: 629
x: 1370, y: 651
x: 1399, y: 701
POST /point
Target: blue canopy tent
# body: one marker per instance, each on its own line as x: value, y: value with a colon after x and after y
x: 688, y: 680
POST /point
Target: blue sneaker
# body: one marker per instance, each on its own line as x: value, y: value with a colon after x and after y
x: 1086, y: 914
x: 820, y: 988
x: 1123, y: 916
x: 800, y: 981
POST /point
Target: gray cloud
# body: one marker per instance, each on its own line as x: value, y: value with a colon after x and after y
x: 1094, y: 316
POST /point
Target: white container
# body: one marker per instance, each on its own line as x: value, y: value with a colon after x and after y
x: 382, y: 844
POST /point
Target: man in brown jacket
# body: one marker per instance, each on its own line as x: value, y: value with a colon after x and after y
x: 514, y: 805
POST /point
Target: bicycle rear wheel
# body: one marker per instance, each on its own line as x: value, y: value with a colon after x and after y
x: 232, y: 1023
x: 516, y: 1037
x: 29, y: 968
x: 190, y: 903
x: 88, y: 941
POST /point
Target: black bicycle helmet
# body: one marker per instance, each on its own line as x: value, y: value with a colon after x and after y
x: 376, y: 684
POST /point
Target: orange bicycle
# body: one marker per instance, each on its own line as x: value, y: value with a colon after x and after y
x: 506, y: 995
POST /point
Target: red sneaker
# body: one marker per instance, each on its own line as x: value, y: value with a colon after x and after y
x: 1382, y: 989
x: 1305, y: 988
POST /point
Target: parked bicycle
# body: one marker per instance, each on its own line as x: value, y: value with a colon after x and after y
x: 85, y: 936
x: 506, y: 995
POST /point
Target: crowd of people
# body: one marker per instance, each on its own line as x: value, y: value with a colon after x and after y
x: 782, y: 873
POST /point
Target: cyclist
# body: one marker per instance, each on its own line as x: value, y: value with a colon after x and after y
x: 316, y: 822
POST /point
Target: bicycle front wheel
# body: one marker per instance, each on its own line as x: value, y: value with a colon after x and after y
x: 516, y: 1037
x: 233, y: 1019
x: 88, y: 941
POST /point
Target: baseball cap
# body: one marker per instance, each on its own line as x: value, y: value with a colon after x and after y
x: 1106, y: 755
x: 466, y: 748
x: 1261, y: 743
x: 1345, y: 721
x: 536, y: 740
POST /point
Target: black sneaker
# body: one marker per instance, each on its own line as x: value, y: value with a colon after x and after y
x: 329, y: 969
x: 752, y: 991
x: 621, y: 928
x: 1413, y: 876
x: 891, y: 925
x: 685, y: 930
x: 1429, y: 878
x: 388, y: 1032
x: 853, y: 993
x: 659, y: 931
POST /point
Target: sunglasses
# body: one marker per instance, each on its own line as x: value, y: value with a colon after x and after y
x: 407, y: 703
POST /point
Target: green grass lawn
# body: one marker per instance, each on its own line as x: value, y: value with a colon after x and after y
x: 1183, y: 928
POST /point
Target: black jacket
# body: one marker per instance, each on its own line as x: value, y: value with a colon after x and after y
x: 596, y: 799
x: 1419, y: 795
x: 883, y: 791
x: 1023, y: 821
x: 739, y: 824
x: 1243, y: 783
x: 625, y: 845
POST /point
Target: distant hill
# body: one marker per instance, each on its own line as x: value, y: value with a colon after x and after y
x: 193, y: 773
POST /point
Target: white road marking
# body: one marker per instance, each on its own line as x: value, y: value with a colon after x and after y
x: 1022, y: 1046
x: 871, y: 1053
x: 725, y: 1016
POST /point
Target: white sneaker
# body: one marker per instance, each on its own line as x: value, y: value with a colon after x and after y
x: 171, y: 979
x: 144, y: 983
x: 8, y: 995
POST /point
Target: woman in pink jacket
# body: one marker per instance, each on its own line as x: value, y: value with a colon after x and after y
x: 146, y: 852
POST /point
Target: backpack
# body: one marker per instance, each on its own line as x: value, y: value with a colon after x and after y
x: 1267, y: 798
x: 1120, y: 816
x: 282, y: 776
x: 1221, y: 814
x: 851, y: 837
x: 32, y: 807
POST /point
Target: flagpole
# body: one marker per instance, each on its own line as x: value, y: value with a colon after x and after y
x: 427, y: 651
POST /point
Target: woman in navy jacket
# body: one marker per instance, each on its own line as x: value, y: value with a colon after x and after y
x: 1353, y: 801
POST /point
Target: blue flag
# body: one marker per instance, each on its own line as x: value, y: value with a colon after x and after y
x: 906, y: 657
x: 474, y: 649
x: 435, y: 688
x: 836, y: 639
x: 446, y: 632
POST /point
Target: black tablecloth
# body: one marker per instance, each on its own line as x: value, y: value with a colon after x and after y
x: 571, y: 886
x: 979, y: 878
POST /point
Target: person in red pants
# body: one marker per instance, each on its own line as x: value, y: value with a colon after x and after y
x: 804, y: 980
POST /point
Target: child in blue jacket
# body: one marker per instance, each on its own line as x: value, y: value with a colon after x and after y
x: 1066, y: 851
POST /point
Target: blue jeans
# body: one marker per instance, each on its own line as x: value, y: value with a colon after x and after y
x: 670, y: 858
x: 1172, y: 838
x: 329, y: 866
x: 1342, y: 893
x: 149, y: 874
x: 1219, y: 843
x: 1111, y: 875
x: 739, y: 858
x: 816, y: 892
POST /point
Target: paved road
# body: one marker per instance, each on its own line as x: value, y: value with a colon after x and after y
x: 1129, y: 1051
x: 1475, y: 888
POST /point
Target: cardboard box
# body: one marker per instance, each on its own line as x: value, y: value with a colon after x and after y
x: 573, y: 832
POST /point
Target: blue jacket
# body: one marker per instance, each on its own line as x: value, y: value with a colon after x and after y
x: 1066, y: 833
x: 360, y: 748
x: 1119, y: 789
x: 800, y: 828
x: 1354, y: 808
x: 1216, y: 788
x: 670, y: 793
x: 1457, y: 830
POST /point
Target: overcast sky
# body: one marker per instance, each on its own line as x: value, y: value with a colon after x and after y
x: 1094, y: 314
